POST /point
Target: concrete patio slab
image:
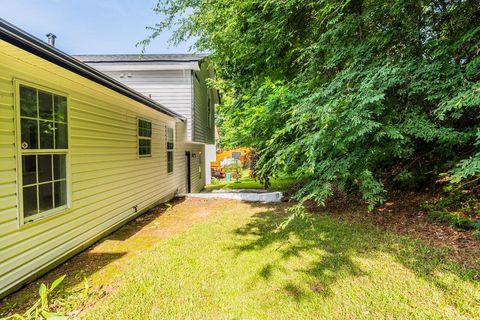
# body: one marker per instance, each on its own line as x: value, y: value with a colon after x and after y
x: 241, y: 194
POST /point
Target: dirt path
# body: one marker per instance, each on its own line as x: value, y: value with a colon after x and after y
x: 103, y: 263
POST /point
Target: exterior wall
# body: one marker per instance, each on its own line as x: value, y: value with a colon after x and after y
x: 107, y: 179
x: 178, y: 90
x: 210, y: 156
x: 197, y: 166
x: 202, y: 132
x: 171, y: 88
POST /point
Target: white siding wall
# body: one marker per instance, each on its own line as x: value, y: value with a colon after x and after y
x: 202, y: 132
x: 197, y: 166
x: 172, y: 88
x: 210, y: 156
x: 107, y: 177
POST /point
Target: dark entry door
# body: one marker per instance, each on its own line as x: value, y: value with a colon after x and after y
x: 188, y: 181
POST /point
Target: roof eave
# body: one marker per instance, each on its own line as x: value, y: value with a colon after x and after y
x: 142, y: 66
x: 27, y: 42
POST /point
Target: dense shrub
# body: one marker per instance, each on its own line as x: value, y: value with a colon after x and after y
x: 357, y: 95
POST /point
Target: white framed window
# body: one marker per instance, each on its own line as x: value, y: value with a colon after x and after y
x: 43, y: 151
x: 209, y: 110
x: 144, y: 133
x: 170, y: 149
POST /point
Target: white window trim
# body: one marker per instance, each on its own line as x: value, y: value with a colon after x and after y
x: 22, y: 221
x: 143, y: 156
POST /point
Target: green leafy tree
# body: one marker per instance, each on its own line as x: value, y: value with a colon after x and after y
x: 357, y: 95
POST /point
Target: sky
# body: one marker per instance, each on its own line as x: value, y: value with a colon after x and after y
x: 90, y: 26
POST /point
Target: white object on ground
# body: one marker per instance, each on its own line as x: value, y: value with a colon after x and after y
x: 243, y: 196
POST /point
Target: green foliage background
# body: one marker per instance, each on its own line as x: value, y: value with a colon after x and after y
x: 357, y: 95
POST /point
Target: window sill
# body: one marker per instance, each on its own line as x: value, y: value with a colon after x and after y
x: 46, y: 214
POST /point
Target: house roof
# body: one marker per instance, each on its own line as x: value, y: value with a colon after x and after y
x: 161, y: 58
x: 139, y: 62
x: 27, y: 42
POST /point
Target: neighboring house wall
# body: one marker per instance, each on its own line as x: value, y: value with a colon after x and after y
x: 107, y: 180
x: 184, y: 91
x: 197, y: 166
x: 210, y: 156
x: 204, y: 111
x: 204, y: 102
x: 172, y: 88
x: 197, y: 152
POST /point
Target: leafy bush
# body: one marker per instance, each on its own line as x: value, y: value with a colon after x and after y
x: 454, y: 219
x: 476, y: 234
x: 355, y: 95
x: 41, y: 309
x: 215, y: 181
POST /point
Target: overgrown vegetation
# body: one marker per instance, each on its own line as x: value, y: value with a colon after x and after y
x: 41, y: 309
x: 457, y: 209
x: 356, y: 95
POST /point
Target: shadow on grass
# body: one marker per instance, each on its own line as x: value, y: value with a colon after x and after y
x: 332, y: 246
x: 83, y: 265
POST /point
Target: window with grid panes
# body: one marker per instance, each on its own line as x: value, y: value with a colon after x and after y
x: 144, y: 138
x: 44, y: 148
x: 170, y: 149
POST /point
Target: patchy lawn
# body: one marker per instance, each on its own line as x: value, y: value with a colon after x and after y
x: 218, y: 259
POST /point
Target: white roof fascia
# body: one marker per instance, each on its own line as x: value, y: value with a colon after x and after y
x: 139, y: 66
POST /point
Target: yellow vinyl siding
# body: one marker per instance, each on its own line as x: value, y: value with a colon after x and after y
x: 8, y: 175
x: 107, y: 180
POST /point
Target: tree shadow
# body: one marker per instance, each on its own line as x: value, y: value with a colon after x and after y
x: 333, y: 247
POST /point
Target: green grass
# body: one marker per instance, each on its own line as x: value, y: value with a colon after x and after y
x: 246, y: 182
x: 235, y: 265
